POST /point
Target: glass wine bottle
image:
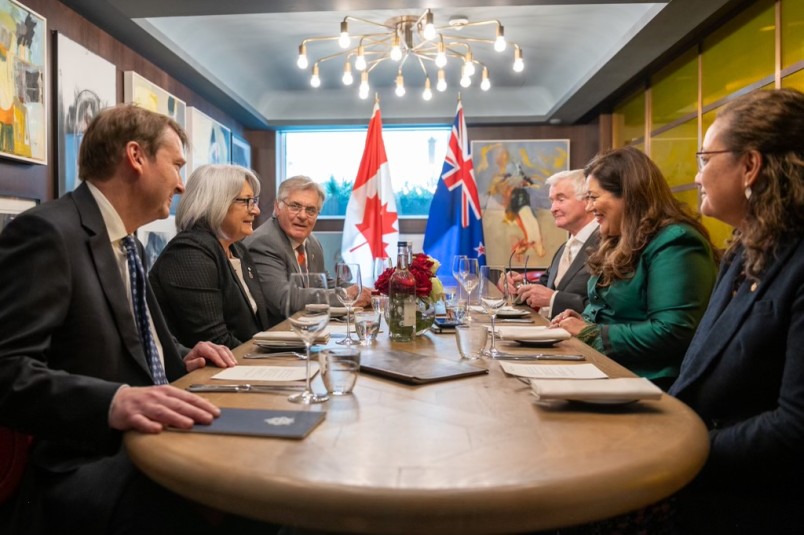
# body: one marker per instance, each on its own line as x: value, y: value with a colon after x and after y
x: 402, y: 299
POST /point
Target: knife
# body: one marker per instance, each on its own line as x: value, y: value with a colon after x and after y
x: 537, y: 356
x: 245, y: 388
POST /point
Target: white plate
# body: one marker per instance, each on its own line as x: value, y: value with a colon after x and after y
x: 604, y: 401
x: 539, y: 343
x: 512, y: 313
x: 279, y: 344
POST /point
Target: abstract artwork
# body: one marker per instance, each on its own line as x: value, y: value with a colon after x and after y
x: 210, y: 141
x: 23, y: 83
x: 155, y: 236
x: 87, y: 83
x: 143, y: 93
x: 518, y: 227
x: 241, y: 152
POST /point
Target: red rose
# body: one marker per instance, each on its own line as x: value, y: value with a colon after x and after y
x: 381, y: 285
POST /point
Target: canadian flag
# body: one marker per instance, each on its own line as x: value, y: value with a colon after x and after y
x: 371, y: 227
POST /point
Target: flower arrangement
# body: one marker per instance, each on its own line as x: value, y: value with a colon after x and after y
x: 423, y: 268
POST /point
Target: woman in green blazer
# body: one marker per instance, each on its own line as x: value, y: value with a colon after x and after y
x: 652, y: 273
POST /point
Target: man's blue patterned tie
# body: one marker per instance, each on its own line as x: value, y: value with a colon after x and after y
x: 136, y: 276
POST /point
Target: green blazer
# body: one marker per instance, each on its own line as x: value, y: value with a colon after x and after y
x: 647, y: 321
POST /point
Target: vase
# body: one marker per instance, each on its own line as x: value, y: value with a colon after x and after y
x: 425, y: 315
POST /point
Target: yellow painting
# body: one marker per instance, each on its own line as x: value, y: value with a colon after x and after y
x: 518, y: 227
x: 23, y: 69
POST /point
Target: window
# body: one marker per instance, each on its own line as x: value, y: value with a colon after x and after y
x: 332, y: 158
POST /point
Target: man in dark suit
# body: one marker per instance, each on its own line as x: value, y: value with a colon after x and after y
x: 563, y: 285
x: 285, y: 244
x: 81, y: 359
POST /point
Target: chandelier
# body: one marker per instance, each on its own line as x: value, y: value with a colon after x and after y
x: 412, y: 42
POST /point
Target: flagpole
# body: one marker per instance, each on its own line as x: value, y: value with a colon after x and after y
x: 376, y: 98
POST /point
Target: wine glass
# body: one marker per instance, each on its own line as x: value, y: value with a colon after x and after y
x: 348, y: 287
x: 469, y: 275
x: 308, y: 298
x: 493, y: 295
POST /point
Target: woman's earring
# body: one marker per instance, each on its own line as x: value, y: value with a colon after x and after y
x: 748, y: 193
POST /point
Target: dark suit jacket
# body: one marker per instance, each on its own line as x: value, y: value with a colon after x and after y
x: 69, y: 339
x: 200, y: 293
x: 744, y: 375
x: 572, y: 290
x: 275, y: 260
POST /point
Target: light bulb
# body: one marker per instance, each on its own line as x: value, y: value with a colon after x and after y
x: 360, y: 61
x: 441, y: 84
x: 499, y: 43
x: 469, y: 68
x: 519, y: 63
x: 427, y: 94
x: 344, y: 40
x: 302, y: 61
x: 441, y: 56
x: 347, y: 74
x: 315, y: 81
x: 466, y: 81
x: 485, y: 83
x: 400, y: 86
x: 396, y: 49
x: 363, y: 91
x: 429, y: 28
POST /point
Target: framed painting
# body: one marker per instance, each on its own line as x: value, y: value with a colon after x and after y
x: 241, y: 152
x: 87, y: 83
x: 11, y: 207
x: 155, y: 236
x: 517, y: 224
x: 210, y: 141
x: 23, y: 83
x: 150, y: 96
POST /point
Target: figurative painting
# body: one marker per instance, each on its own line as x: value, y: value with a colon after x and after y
x: 87, y: 83
x: 241, y: 152
x: 210, y: 141
x: 23, y: 83
x: 11, y: 207
x: 517, y: 224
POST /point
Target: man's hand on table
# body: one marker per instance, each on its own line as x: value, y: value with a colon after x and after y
x: 220, y: 356
x: 150, y: 409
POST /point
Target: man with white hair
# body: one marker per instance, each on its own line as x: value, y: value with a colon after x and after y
x: 563, y: 285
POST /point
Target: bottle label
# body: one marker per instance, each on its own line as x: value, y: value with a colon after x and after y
x: 409, y: 314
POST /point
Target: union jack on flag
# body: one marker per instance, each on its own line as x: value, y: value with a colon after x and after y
x: 454, y: 226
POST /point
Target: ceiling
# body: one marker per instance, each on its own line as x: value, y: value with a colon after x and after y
x: 241, y: 54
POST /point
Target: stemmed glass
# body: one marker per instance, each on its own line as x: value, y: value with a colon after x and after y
x: 308, y: 298
x: 348, y: 287
x: 380, y: 265
x: 493, y: 295
x: 466, y: 272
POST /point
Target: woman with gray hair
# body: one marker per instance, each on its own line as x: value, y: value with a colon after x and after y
x: 205, y: 280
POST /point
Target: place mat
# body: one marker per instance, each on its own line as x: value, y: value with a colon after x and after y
x: 604, y: 391
x: 413, y: 369
x: 260, y: 422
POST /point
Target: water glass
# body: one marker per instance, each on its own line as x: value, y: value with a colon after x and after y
x: 471, y: 340
x: 367, y: 325
x: 339, y: 368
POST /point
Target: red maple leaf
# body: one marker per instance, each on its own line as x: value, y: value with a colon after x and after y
x: 377, y: 221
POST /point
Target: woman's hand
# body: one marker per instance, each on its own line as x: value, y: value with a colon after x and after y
x: 570, y: 321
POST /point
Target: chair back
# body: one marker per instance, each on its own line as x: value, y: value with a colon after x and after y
x: 14, y: 448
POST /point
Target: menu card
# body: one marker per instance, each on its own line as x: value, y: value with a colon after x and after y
x: 260, y: 422
x: 553, y: 371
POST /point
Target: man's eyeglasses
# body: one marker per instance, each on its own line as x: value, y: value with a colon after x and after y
x: 294, y: 208
x: 248, y: 202
x: 699, y: 156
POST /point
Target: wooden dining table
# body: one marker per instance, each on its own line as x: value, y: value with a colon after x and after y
x: 475, y: 455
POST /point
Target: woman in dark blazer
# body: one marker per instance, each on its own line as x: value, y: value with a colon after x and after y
x: 744, y: 370
x: 205, y: 281
x: 652, y: 273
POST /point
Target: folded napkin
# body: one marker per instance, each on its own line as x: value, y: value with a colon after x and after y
x: 532, y: 334
x: 620, y: 390
x: 286, y: 336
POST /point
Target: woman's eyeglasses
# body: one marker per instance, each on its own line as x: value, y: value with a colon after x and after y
x: 248, y: 202
x: 700, y: 157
